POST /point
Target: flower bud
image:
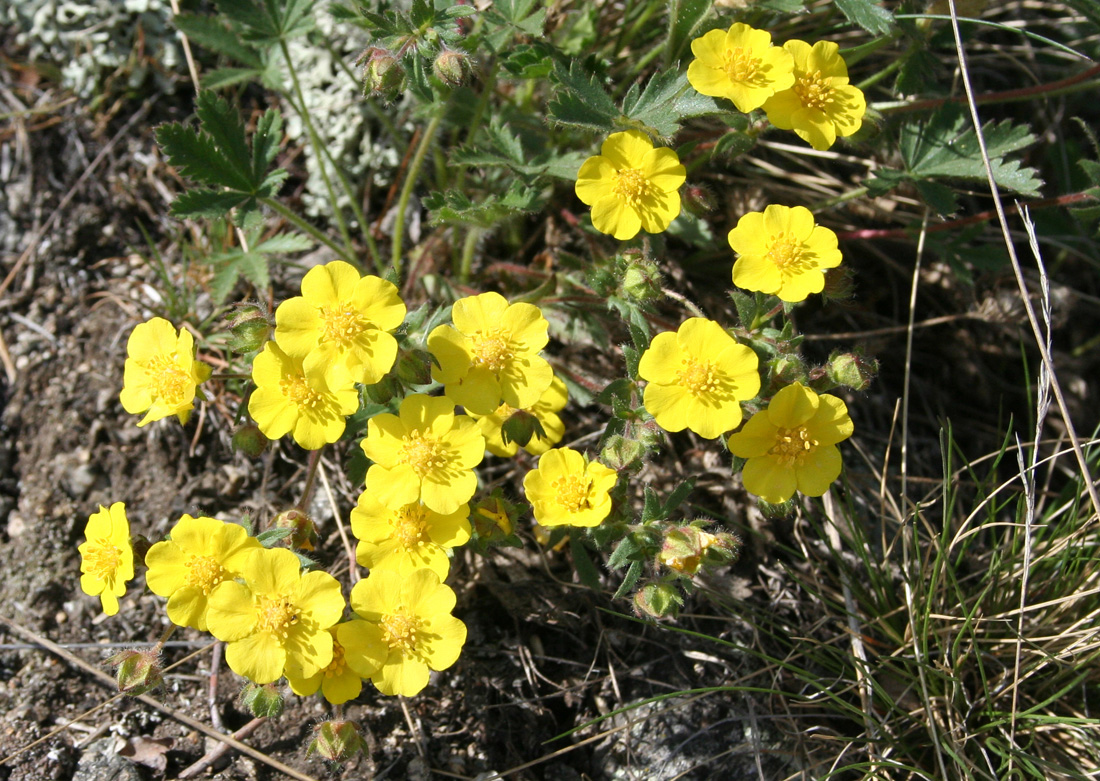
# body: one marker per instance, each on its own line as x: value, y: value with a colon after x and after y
x: 262, y: 700
x: 787, y: 370
x: 520, y: 426
x: 683, y: 549
x: 383, y: 391
x: 621, y: 453
x: 248, y: 439
x: 641, y: 280
x: 414, y: 367
x: 382, y: 73
x: 852, y: 370
x: 303, y: 532
x: 698, y: 199
x: 137, y: 672
x: 658, y: 600
x: 452, y: 67
x: 337, y: 741
x: 249, y: 327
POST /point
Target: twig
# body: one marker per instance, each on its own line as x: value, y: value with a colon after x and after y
x: 1082, y: 462
x: 219, y: 751
x: 183, y: 718
x: 353, y: 564
x: 186, y: 49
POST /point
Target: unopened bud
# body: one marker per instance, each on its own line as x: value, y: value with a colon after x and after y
x: 262, y: 700
x: 698, y: 199
x: 658, y: 600
x: 852, y: 370
x: 641, y: 279
x: 787, y: 370
x: 414, y: 367
x: 382, y: 73
x: 249, y: 327
x: 137, y: 672
x: 621, y: 453
x: 520, y: 427
x: 248, y: 439
x: 683, y: 549
x: 303, y: 532
x: 337, y: 741
x: 383, y: 391
x: 452, y: 67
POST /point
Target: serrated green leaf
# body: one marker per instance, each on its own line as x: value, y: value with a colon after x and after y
x: 746, y: 308
x: 868, y: 14
x: 654, y: 106
x: 627, y: 548
x: 222, y: 123
x: 265, y: 143
x: 205, y: 203
x: 938, y: 196
x: 455, y: 208
x: 677, y: 497
x: 226, y: 77
x: 652, y: 508
x: 631, y: 358
x: 196, y: 156
x: 211, y: 33
x: 528, y: 61
x: 284, y: 242
x: 733, y: 144
x: 582, y: 101
x: 586, y: 570
x: 253, y: 266
x: 630, y: 579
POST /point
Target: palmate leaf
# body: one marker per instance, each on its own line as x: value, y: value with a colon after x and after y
x: 252, y: 265
x: 269, y: 22
x: 455, y: 208
x: 946, y: 147
x: 212, y: 34
x: 868, y: 14
x: 581, y: 100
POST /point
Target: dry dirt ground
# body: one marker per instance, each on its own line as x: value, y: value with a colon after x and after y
x: 543, y: 656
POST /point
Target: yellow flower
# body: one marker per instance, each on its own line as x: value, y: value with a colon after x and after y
x: 201, y: 553
x: 569, y: 490
x: 740, y: 64
x: 161, y: 374
x: 344, y: 316
x: 106, y: 558
x: 822, y: 104
x: 698, y: 378
x: 277, y: 616
x: 783, y: 252
x: 356, y: 654
x: 545, y: 411
x: 630, y: 185
x: 408, y: 538
x: 491, y: 353
x: 310, y: 397
x: 792, y: 444
x: 411, y: 619
x: 425, y: 453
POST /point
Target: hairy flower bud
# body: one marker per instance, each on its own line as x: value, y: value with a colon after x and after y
x: 303, y: 532
x: 249, y: 327
x: 414, y: 367
x: 248, y: 439
x: 452, y: 67
x: 382, y: 73
x: 621, y: 453
x: 641, y: 280
x: 698, y: 199
x: 658, y: 600
x: 520, y: 427
x: 262, y: 700
x: 137, y: 672
x: 852, y: 370
x: 337, y: 741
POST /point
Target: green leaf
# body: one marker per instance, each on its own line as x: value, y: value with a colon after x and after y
x: 782, y: 6
x: 630, y: 580
x: 526, y: 15
x: 283, y: 243
x: 653, y: 107
x: 651, y: 510
x: 226, y: 77
x: 581, y: 101
x: 205, y: 203
x: 685, y: 16
x: 265, y: 143
x: 586, y: 570
x: 209, y: 32
x: 197, y: 156
x: 222, y: 123
x: 455, y: 208
x: 868, y: 14
x: 627, y: 549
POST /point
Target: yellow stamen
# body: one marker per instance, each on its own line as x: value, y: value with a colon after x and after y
x: 341, y: 325
x: 102, y: 559
x: 400, y: 631
x: 787, y: 253
x: 424, y: 455
x: 336, y: 666
x: 410, y: 525
x: 813, y: 90
x: 792, y: 445
x: 276, y: 615
x: 573, y: 492
x: 698, y: 376
x: 169, y: 381
x: 298, y: 391
x: 740, y: 65
x: 491, y: 349
x: 631, y: 185
x: 204, y: 572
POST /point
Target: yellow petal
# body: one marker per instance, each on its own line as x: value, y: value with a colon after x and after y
x: 767, y: 478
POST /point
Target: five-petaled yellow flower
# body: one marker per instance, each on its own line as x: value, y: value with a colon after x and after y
x: 631, y: 186
x: 356, y: 654
x: 491, y: 353
x: 425, y: 453
x: 310, y: 398
x: 411, y: 619
x: 792, y: 444
x: 161, y: 374
x: 277, y: 616
x: 822, y: 104
x: 698, y: 378
x: 569, y: 490
x: 201, y: 553
x: 345, y: 317
x: 545, y: 411
x: 740, y: 64
x: 783, y: 252
x: 408, y: 538
x: 106, y: 557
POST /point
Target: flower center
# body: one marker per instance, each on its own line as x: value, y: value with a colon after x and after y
x: 491, y: 349
x: 422, y: 454
x: 787, y: 253
x: 400, y: 632
x: 276, y: 615
x: 103, y: 559
x: 300, y: 394
x: 336, y: 666
x: 740, y: 65
x: 410, y: 525
x: 813, y: 90
x: 631, y: 185
x: 698, y: 376
x: 572, y: 493
x: 341, y: 325
x: 204, y: 572
x: 792, y: 445
x: 169, y: 381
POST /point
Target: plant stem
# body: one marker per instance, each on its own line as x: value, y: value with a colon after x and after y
x: 311, y: 477
x: 468, y: 247
x: 315, y: 141
x: 298, y: 222
x: 410, y: 183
